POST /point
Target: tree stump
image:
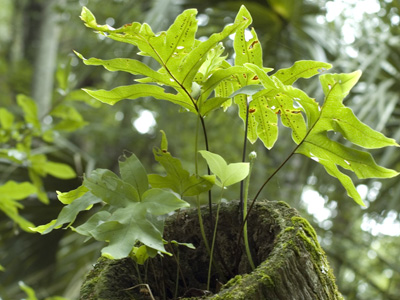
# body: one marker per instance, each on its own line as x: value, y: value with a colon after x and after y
x: 291, y: 264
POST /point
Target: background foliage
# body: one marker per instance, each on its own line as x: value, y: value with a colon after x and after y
x: 37, y: 38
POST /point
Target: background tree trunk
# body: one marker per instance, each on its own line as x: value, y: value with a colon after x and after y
x: 46, y: 55
x: 291, y: 263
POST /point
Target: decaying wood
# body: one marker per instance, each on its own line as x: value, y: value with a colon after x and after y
x: 291, y: 263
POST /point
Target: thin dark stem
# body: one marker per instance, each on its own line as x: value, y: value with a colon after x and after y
x: 255, y: 198
x: 244, y: 159
x: 203, y: 125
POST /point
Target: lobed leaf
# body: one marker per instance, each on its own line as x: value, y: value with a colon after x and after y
x: 266, y: 120
x: 334, y: 116
x: 160, y: 202
x: 124, y: 228
x: 133, y: 172
x: 301, y: 69
x: 193, y: 61
x: 110, y: 188
x: 132, y: 66
x: 178, y: 179
x: 140, y: 90
x: 69, y: 213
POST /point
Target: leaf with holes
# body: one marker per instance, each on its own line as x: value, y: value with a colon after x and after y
x: 181, y: 58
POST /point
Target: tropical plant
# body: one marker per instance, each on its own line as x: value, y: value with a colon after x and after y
x: 195, y: 75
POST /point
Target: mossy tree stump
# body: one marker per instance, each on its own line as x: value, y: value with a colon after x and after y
x: 290, y: 262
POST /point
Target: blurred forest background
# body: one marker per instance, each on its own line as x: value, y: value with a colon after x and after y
x: 37, y: 39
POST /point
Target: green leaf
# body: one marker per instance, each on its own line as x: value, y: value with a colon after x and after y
x: 189, y: 245
x: 133, y: 172
x: 123, y: 237
x: 266, y: 120
x: 211, y: 104
x: 91, y: 224
x: 124, y: 228
x: 213, y: 61
x: 130, y: 223
x: 280, y: 103
x: 80, y: 95
x: 178, y: 179
x: 38, y: 183
x: 90, y: 20
x: 132, y: 66
x: 10, y: 193
x: 6, y: 119
x: 160, y: 202
x: 59, y: 170
x: 290, y: 116
x: 140, y: 255
x: 69, y: 213
x: 216, y: 78
x: 30, y: 293
x: 248, y: 90
x: 301, y: 69
x: 30, y: 110
x: 334, y: 116
x: 247, y: 51
x: 227, y: 174
x: 140, y: 90
x: 16, y: 191
x: 110, y: 188
x: 198, y: 55
x: 68, y: 197
x: 164, y: 142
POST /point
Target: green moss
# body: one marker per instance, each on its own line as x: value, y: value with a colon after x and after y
x: 298, y: 221
x: 233, y: 281
x: 267, y: 280
x: 321, y: 265
x: 284, y: 204
x: 288, y: 229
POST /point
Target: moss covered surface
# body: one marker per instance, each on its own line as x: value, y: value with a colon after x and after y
x: 291, y: 263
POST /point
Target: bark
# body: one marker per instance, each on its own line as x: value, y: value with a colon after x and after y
x: 290, y: 262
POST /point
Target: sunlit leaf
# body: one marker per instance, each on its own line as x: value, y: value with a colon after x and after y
x: 59, y: 170
x: 6, y: 118
x: 139, y: 90
x: 334, y: 116
x: 30, y: 293
x: 69, y: 212
x: 10, y: 193
x: 30, y: 110
x: 227, y: 174
x: 301, y: 69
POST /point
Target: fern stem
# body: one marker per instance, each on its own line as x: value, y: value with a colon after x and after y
x: 213, y: 240
x: 241, y: 201
x: 245, y: 236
